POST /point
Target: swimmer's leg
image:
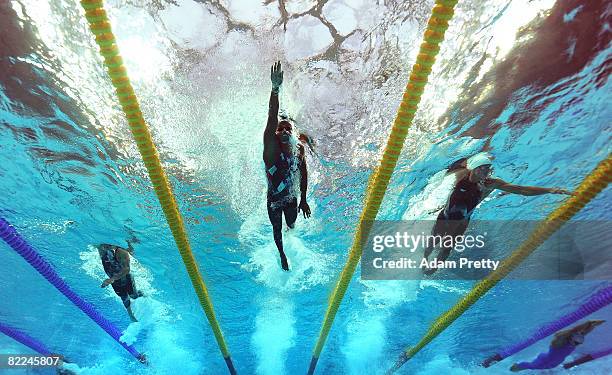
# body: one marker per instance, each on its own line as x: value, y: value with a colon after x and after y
x: 440, y: 228
x: 543, y: 361
x: 291, y: 212
x: 444, y: 253
x: 131, y: 314
x: 275, y: 214
x: 128, y: 306
x: 132, y: 291
x: 121, y: 289
x: 428, y: 252
x: 453, y: 227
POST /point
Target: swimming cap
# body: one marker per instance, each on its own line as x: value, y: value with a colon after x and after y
x: 480, y: 159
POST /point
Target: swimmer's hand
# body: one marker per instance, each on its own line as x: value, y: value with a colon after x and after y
x: 143, y: 359
x: 591, y: 324
x: 305, y: 209
x: 106, y: 283
x: 491, y: 360
x: 516, y: 368
x: 133, y: 240
x: 561, y: 191
x: 276, y: 76
x: 436, y: 210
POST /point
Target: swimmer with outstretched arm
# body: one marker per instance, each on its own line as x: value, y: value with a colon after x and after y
x: 562, y: 345
x: 285, y: 163
x: 473, y: 183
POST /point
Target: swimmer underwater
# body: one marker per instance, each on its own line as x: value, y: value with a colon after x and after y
x: 473, y: 183
x: 116, y: 263
x: 563, y: 344
x: 286, y: 172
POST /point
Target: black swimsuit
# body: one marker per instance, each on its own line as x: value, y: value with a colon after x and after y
x: 124, y: 287
x: 282, y: 195
x: 462, y: 201
x: 454, y: 219
x: 282, y: 177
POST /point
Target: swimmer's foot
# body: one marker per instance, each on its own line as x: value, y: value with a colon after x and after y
x: 284, y: 263
x: 132, y: 317
x: 429, y: 271
x: 516, y: 368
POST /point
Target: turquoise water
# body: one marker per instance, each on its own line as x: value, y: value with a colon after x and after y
x: 527, y: 81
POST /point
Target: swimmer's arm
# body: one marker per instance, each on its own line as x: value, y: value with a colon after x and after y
x: 559, y: 341
x: 270, y: 143
x: 303, y: 175
x: 436, y: 209
x: 496, y: 183
x: 130, y: 248
x: 561, y: 337
x: 276, y: 77
x: 586, y: 327
x: 270, y: 132
x: 303, y: 184
x: 272, y: 115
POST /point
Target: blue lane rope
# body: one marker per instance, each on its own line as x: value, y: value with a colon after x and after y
x: 20, y: 245
x: 597, y: 301
x: 25, y: 339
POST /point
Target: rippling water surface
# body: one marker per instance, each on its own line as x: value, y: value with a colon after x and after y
x: 525, y: 80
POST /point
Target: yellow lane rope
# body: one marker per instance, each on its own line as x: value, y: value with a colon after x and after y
x: 434, y: 34
x: 592, y: 185
x: 101, y: 28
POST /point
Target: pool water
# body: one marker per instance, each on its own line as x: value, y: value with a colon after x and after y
x: 525, y: 80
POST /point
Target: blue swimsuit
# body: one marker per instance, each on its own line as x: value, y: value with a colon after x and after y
x: 551, y: 359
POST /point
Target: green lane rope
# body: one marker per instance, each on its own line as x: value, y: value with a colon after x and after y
x: 442, y: 13
x: 101, y: 28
